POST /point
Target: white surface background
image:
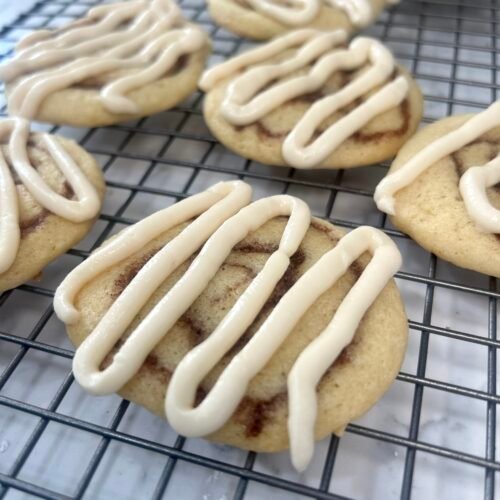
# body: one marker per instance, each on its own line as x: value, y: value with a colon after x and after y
x: 10, y: 9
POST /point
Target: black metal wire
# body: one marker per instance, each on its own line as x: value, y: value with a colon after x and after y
x: 411, y: 23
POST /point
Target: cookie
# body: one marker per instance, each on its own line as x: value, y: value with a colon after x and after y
x: 179, y: 320
x: 434, y: 194
x: 265, y: 19
x: 306, y: 100
x: 51, y: 194
x: 120, y: 62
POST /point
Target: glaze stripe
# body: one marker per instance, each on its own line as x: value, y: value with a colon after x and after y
x: 360, y: 12
x: 152, y: 40
x: 10, y: 232
x: 473, y: 183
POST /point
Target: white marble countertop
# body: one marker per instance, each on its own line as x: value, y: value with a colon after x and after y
x: 10, y: 9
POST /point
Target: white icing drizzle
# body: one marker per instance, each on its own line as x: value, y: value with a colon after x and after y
x: 10, y: 233
x: 302, y: 12
x: 222, y: 226
x: 150, y: 44
x: 245, y: 103
x: 215, y: 205
x: 473, y: 183
x: 85, y: 207
x: 299, y: 13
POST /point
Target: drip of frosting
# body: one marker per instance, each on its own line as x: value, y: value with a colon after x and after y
x: 85, y: 207
x: 301, y: 12
x: 222, y: 226
x: 474, y: 181
x: 245, y: 102
x: 142, y: 36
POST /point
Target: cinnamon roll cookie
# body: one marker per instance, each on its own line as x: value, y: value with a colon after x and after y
x: 252, y: 324
x: 264, y: 19
x: 51, y: 192
x: 120, y: 61
x: 443, y: 190
x: 307, y: 100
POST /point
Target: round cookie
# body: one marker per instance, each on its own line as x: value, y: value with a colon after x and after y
x: 240, y: 18
x: 262, y: 141
x: 44, y: 235
x: 119, y: 62
x: 431, y: 209
x: 354, y: 383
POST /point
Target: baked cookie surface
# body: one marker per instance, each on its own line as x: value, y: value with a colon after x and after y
x: 431, y: 209
x: 375, y: 138
x: 241, y: 18
x: 119, y: 62
x: 357, y: 379
x: 43, y: 234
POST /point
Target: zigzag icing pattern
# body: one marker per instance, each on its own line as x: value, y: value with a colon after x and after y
x: 154, y: 37
x: 222, y: 218
x: 245, y: 102
x: 473, y: 183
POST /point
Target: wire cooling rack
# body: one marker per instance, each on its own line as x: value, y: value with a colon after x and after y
x: 433, y: 434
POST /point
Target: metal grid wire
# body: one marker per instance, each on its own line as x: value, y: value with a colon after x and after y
x: 451, y: 48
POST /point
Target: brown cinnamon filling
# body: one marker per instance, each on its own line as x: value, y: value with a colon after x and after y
x: 30, y: 224
x: 252, y: 414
